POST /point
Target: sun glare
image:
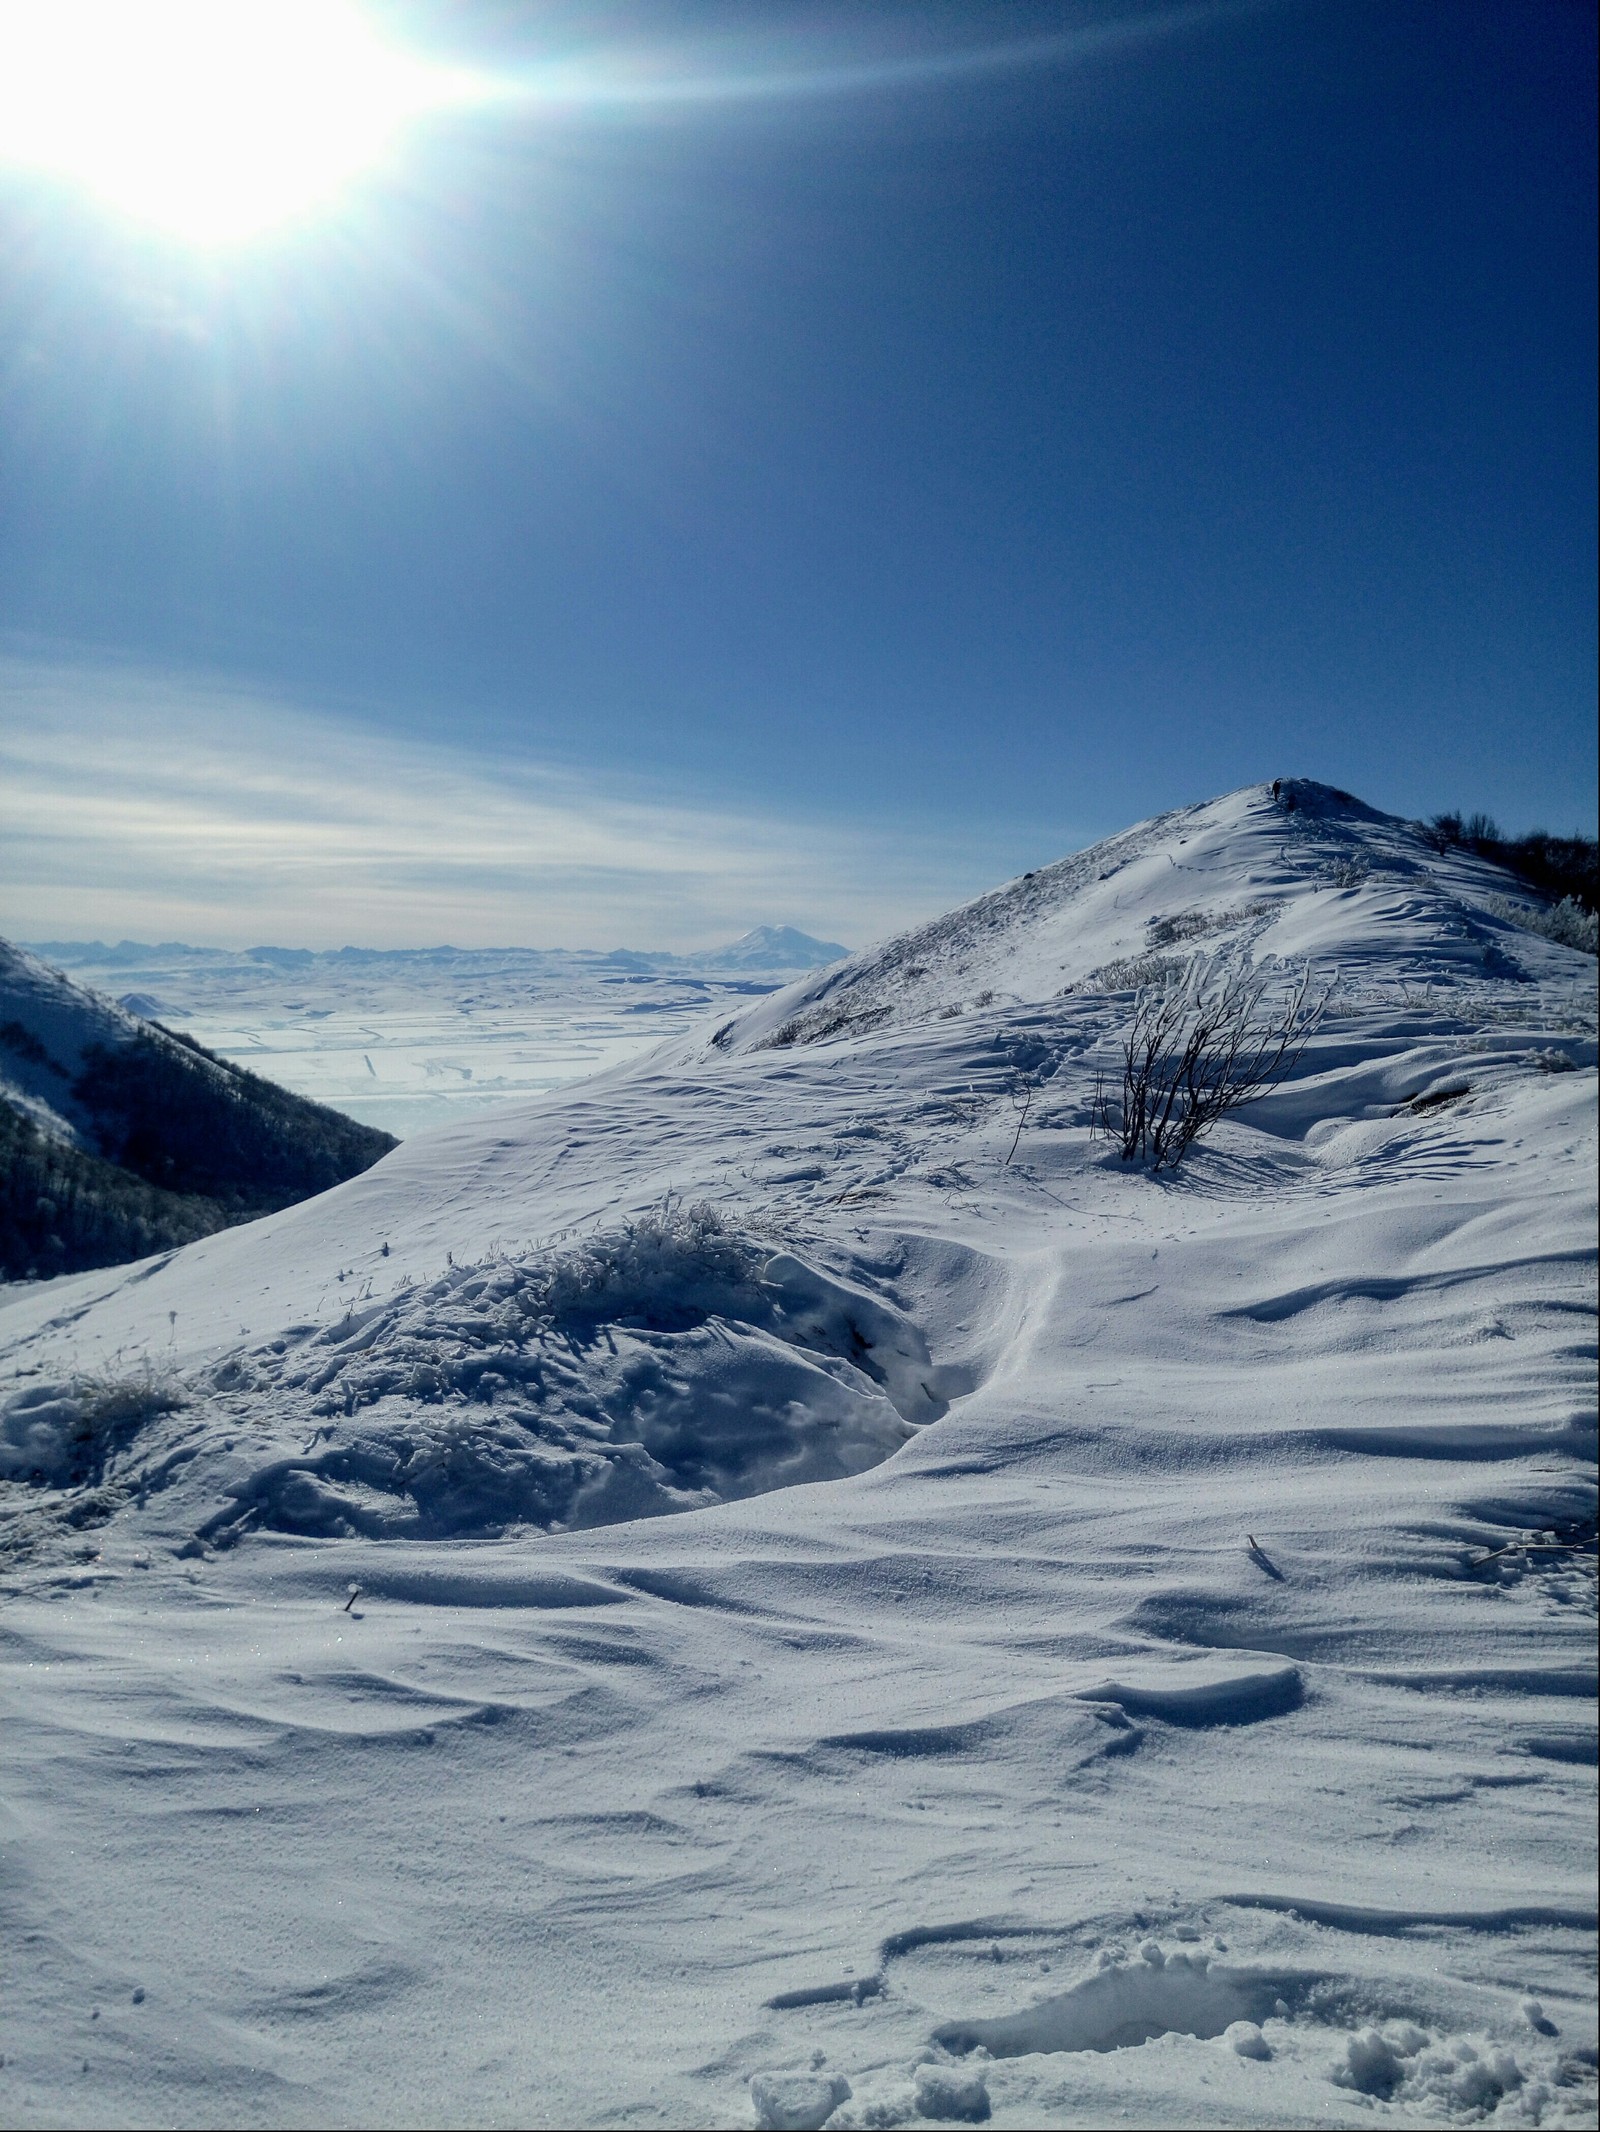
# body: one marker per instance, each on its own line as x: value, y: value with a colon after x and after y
x: 212, y: 119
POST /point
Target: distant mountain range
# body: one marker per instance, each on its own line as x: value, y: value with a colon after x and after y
x: 119, y: 1138
x: 777, y: 949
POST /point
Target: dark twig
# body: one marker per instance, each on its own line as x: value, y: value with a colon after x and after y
x: 1200, y: 1047
x: 1027, y: 1085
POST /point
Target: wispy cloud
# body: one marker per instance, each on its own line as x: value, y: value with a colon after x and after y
x: 134, y: 803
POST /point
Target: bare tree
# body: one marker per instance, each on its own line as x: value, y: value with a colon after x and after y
x: 1198, y: 1047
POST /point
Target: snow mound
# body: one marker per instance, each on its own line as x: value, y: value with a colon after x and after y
x: 664, y: 1365
x: 796, y: 2101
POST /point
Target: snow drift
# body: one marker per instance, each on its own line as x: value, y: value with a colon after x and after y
x: 1121, y: 1644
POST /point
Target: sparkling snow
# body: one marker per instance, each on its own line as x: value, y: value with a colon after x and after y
x: 783, y: 1585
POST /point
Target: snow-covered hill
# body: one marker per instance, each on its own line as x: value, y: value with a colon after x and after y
x: 1305, y: 872
x: 1116, y: 1648
x: 117, y: 1136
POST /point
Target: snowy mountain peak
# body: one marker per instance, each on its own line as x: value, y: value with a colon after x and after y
x: 771, y: 947
x: 1293, y: 870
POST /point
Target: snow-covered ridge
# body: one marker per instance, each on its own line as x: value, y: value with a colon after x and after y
x: 785, y: 1585
x: 48, y: 1027
x: 1306, y: 871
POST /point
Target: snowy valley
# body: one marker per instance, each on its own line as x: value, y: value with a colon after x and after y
x: 782, y: 1583
x: 407, y: 1039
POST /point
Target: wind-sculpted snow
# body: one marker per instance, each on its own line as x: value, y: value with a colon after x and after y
x: 668, y: 1364
x: 1122, y: 1645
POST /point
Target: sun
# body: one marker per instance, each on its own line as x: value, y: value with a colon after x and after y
x: 211, y: 119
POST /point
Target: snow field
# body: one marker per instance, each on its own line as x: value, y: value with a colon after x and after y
x: 1179, y: 1713
x: 412, y: 1041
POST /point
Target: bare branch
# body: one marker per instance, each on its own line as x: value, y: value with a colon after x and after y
x: 1199, y: 1046
x: 1022, y: 1094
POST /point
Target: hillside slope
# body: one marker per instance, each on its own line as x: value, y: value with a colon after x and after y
x: 118, y: 1137
x: 1308, y: 872
x: 786, y: 1584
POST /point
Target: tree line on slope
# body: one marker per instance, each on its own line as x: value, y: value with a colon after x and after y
x: 185, y: 1144
x: 1559, y: 867
x: 63, y: 1210
x: 190, y: 1122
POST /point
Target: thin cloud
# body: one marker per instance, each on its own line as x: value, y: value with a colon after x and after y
x: 135, y: 803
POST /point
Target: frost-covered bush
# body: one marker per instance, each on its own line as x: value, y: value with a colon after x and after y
x: 1131, y: 973
x: 822, y: 1021
x: 1174, y: 926
x: 1568, y: 924
x: 62, y: 1435
x: 675, y: 1264
x: 1199, y: 1046
x: 1347, y: 873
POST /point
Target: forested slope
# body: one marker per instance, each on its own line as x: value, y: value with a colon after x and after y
x: 119, y: 1137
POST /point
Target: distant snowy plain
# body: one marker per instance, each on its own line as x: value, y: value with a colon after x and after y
x: 411, y: 1039
x: 784, y: 1585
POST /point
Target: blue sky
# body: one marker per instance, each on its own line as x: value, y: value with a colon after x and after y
x: 863, y: 466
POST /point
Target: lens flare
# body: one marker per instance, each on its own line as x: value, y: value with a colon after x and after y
x: 211, y: 119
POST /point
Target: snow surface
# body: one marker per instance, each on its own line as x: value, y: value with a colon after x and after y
x: 411, y: 1039
x: 783, y: 1584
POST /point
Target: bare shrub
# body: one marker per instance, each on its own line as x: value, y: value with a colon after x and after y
x: 1199, y: 1046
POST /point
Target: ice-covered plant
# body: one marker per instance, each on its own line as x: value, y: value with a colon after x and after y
x: 1202, y: 1044
x: 1567, y: 923
x: 63, y: 1435
x: 672, y: 1260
